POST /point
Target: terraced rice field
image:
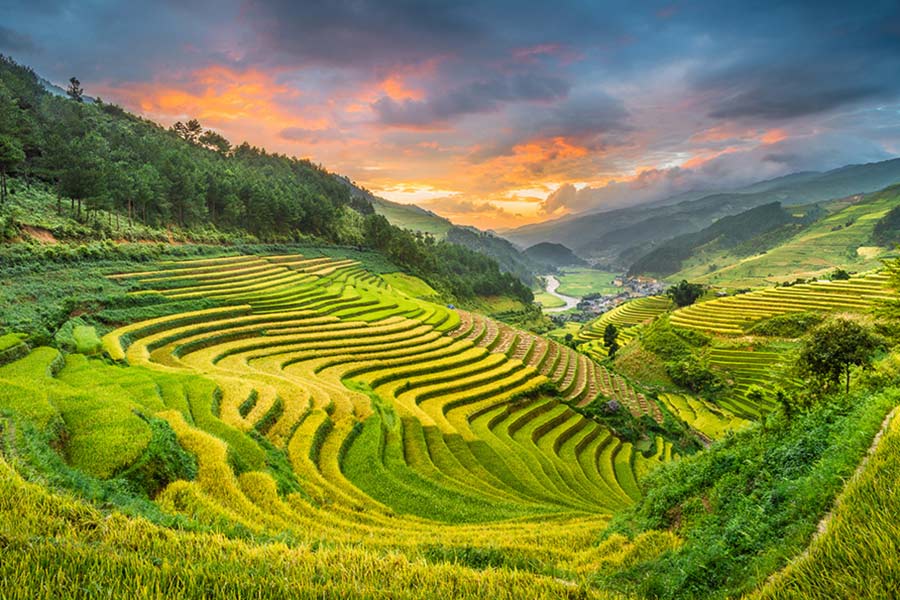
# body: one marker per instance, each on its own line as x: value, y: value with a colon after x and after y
x: 748, y: 367
x: 578, y: 378
x: 392, y: 433
x: 702, y: 416
x: 628, y: 317
x: 735, y: 314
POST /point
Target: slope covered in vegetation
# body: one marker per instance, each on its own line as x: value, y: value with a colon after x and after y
x: 93, y: 171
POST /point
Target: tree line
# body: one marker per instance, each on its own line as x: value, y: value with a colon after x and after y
x: 98, y: 157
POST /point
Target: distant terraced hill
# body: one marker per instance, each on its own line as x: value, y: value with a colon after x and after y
x: 843, y: 238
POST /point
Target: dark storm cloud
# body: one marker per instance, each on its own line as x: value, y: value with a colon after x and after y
x: 588, y: 120
x: 785, y: 92
x: 803, y: 59
x: 353, y: 33
x: 475, y: 97
x: 13, y: 42
x: 383, y: 33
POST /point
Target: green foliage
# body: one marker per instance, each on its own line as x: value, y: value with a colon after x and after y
x: 671, y: 343
x: 839, y: 275
x: 693, y: 372
x: 610, y: 339
x: 507, y: 256
x: 684, y: 293
x: 453, y: 269
x: 790, y: 325
x: 832, y: 349
x: 162, y: 462
x: 857, y: 555
x: 748, y: 504
x: 725, y: 233
x: 86, y: 339
x: 887, y: 230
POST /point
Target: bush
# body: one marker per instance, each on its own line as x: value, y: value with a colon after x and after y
x: 791, y: 325
x: 694, y: 374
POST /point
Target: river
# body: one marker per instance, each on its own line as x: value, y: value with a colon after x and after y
x: 552, y: 286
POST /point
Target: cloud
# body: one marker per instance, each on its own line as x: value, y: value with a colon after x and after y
x: 480, y: 96
x: 358, y: 33
x: 311, y: 136
x: 585, y: 105
x: 778, y: 93
x: 15, y: 42
x: 584, y: 120
x: 722, y: 172
x: 647, y: 186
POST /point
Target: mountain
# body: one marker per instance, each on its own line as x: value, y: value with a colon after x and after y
x: 554, y: 255
x: 620, y: 237
x: 724, y: 234
x: 510, y: 259
x: 854, y: 233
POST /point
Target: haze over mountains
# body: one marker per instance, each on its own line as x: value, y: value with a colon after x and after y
x: 618, y: 237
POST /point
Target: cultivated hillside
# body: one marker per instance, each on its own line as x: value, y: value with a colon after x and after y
x: 226, y: 373
x: 619, y: 237
x: 842, y: 237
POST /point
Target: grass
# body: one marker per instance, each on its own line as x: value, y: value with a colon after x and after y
x: 548, y: 300
x: 749, y: 504
x: 409, y: 284
x: 581, y: 281
x: 412, y: 217
x: 857, y: 554
x: 328, y: 431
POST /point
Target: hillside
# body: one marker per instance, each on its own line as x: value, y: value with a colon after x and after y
x: 841, y: 238
x: 231, y: 373
x: 328, y: 400
x: 723, y: 235
x: 91, y: 171
x: 619, y: 237
x: 553, y: 255
x: 409, y: 216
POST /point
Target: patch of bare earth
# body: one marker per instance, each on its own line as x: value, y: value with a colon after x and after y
x: 39, y: 233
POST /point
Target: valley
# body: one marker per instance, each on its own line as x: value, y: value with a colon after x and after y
x: 380, y: 300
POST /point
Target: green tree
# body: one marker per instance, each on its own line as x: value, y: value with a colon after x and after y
x: 11, y: 154
x: 611, y: 340
x: 684, y: 293
x: 215, y: 141
x: 190, y: 131
x: 84, y: 177
x: 75, y: 91
x: 839, y: 274
x: 832, y: 349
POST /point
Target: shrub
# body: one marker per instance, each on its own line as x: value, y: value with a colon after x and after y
x: 791, y: 325
x: 694, y: 374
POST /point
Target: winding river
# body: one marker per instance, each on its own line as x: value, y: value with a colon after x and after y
x: 552, y: 286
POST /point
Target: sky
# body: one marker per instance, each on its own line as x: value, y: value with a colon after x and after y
x: 498, y: 114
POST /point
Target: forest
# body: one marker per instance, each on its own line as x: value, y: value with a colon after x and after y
x: 96, y: 157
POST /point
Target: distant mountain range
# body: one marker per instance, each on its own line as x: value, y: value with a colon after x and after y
x: 554, y: 255
x: 618, y: 238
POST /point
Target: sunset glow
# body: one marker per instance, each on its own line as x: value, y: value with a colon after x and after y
x: 461, y: 110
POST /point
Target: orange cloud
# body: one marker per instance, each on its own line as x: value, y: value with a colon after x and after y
x: 773, y: 136
x: 396, y: 88
x: 702, y: 159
